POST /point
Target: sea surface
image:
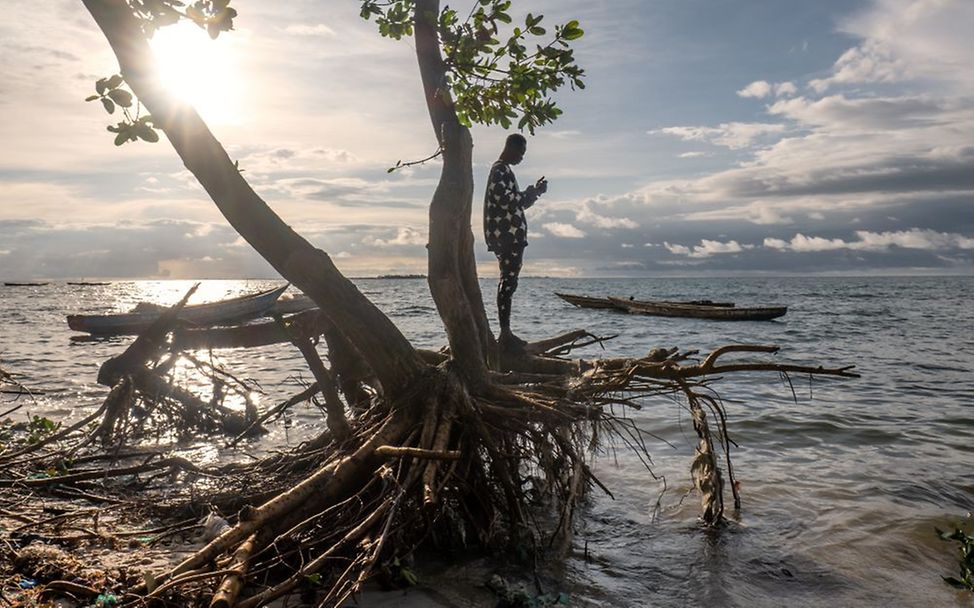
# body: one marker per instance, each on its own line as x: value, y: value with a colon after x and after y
x: 842, y: 480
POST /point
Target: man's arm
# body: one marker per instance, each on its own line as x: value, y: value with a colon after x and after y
x: 503, y: 180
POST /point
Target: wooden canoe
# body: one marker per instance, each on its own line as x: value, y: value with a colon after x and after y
x: 716, y: 313
x: 12, y: 284
x: 586, y: 301
x: 608, y: 302
x: 233, y: 310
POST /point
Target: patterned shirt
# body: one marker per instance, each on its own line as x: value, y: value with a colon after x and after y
x: 505, y: 227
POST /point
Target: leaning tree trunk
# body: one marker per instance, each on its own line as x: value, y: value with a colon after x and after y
x: 452, y: 267
x: 394, y: 361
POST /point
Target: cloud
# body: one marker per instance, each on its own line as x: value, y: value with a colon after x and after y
x: 566, y: 231
x: 691, y: 155
x: 303, y: 29
x: 914, y: 238
x: 733, y: 135
x: 871, y: 62
x: 862, y: 114
x: 589, y: 214
x: 761, y: 88
x: 404, y: 236
x: 706, y: 248
x: 758, y: 89
x: 783, y: 89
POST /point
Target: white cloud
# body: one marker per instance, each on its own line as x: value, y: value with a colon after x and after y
x: 707, y: 248
x: 404, y: 236
x: 733, y: 135
x: 303, y: 29
x: 869, y: 62
x: 567, y: 231
x: 784, y: 89
x: 691, y: 155
x: 915, y: 238
x: 761, y: 88
x: 588, y: 214
x: 757, y: 89
x: 676, y: 249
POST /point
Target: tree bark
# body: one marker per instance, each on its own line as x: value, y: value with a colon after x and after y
x: 452, y: 268
x: 388, y: 352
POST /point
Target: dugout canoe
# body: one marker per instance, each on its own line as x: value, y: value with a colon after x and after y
x: 586, y: 301
x: 222, y: 312
x: 14, y: 284
x: 607, y: 302
x: 694, y: 311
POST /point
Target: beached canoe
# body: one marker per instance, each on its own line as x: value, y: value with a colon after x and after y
x: 607, y: 302
x: 694, y: 311
x: 222, y: 312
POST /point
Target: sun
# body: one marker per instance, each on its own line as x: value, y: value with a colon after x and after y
x: 200, y: 71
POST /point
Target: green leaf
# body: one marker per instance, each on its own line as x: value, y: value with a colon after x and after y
x: 146, y: 133
x: 571, y: 31
x: 115, y: 81
x: 92, y: 97
x: 121, y: 138
x: 100, y: 85
x: 954, y: 582
x: 109, y: 105
x: 121, y: 97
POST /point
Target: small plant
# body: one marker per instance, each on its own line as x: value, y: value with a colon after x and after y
x: 39, y: 427
x: 966, y: 580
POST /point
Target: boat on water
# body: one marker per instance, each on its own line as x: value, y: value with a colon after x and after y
x: 606, y: 302
x: 694, y: 309
x: 289, y: 305
x: 88, y: 283
x: 222, y: 312
x: 586, y: 301
x: 13, y: 284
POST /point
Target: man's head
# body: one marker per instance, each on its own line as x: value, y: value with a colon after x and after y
x: 514, y: 148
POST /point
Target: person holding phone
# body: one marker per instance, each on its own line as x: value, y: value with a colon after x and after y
x: 506, y: 229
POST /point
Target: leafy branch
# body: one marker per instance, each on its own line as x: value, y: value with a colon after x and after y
x: 494, y: 78
x: 214, y: 16
x: 134, y: 126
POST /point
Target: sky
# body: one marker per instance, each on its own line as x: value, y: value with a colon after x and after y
x: 714, y: 137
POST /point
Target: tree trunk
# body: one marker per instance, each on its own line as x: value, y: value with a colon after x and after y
x: 387, y: 351
x: 452, y: 268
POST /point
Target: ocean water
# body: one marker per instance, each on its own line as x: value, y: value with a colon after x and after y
x: 842, y: 480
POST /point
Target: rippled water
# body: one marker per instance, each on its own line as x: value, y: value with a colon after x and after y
x: 841, y: 488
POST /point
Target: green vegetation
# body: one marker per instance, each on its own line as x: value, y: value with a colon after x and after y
x: 966, y: 561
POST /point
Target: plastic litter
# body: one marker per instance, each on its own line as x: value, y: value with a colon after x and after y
x: 213, y: 526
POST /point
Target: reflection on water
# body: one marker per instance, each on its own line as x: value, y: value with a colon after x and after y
x: 842, y: 484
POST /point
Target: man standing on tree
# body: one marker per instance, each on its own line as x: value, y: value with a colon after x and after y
x: 505, y: 228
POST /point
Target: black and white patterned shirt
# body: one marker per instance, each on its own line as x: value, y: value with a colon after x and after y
x: 505, y: 227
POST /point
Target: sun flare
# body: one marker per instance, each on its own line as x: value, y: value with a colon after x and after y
x: 200, y: 71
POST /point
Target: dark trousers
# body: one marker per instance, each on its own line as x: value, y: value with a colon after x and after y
x: 510, y: 261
